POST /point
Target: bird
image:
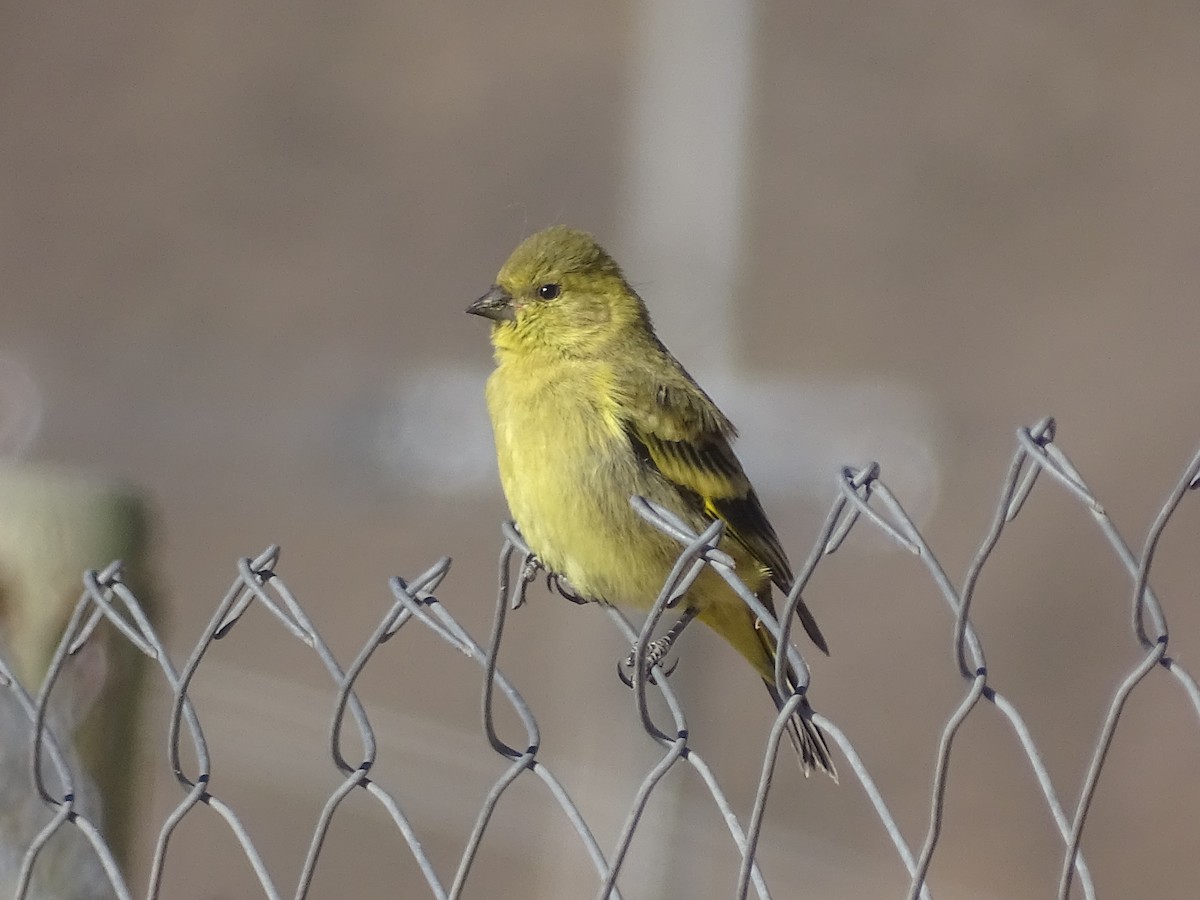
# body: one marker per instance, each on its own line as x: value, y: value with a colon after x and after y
x: 588, y: 409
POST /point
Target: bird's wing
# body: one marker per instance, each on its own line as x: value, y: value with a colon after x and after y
x: 677, y: 429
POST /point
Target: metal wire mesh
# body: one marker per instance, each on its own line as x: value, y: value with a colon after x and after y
x: 863, y: 501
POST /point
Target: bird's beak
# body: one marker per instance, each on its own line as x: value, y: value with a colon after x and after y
x: 496, y: 304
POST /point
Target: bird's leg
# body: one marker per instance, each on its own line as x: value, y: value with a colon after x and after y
x: 657, y: 650
x: 530, y: 569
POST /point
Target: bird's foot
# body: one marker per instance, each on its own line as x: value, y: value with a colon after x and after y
x: 656, y: 652
x: 530, y: 569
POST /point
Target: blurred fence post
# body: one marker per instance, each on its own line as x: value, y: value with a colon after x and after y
x: 54, y: 524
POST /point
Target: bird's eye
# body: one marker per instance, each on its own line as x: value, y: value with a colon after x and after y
x: 549, y: 291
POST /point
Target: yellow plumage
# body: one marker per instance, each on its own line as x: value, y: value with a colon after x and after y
x: 589, y: 408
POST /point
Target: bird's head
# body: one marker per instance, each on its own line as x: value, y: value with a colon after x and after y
x: 560, y: 292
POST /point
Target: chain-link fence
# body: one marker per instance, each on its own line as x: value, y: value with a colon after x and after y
x: 63, y: 842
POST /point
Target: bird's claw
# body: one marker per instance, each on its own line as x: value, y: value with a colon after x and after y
x: 556, y: 582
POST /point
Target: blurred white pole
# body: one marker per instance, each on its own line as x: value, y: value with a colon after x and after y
x: 684, y: 196
x: 686, y: 176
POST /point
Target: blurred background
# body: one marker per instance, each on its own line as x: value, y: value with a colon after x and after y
x: 236, y: 243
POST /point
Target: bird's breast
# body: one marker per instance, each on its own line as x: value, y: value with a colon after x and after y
x: 568, y: 471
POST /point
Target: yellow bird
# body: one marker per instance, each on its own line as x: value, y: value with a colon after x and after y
x: 589, y: 408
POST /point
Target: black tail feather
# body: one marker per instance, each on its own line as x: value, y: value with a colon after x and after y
x: 806, y: 737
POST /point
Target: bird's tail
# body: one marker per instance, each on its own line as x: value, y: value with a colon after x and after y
x: 738, y: 625
x: 806, y: 737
